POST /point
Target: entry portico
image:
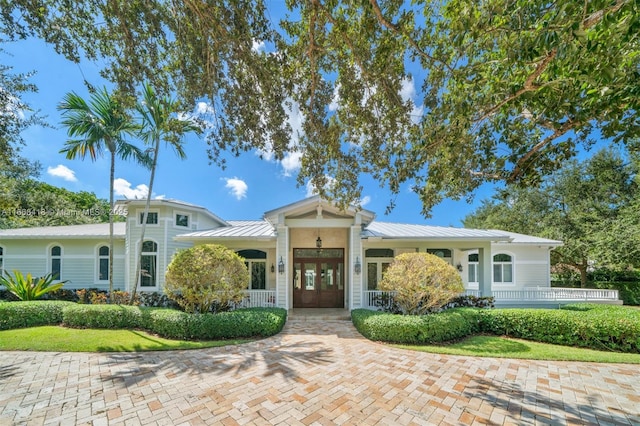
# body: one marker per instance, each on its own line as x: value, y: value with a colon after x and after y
x: 324, y: 257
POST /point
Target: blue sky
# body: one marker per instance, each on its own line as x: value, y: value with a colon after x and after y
x: 246, y: 189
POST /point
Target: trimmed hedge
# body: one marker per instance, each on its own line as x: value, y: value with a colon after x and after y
x: 242, y: 323
x: 250, y: 322
x: 601, y: 327
x: 416, y: 329
x: 31, y: 314
x: 102, y: 316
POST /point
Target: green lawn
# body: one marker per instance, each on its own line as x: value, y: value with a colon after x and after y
x: 500, y: 347
x: 61, y: 339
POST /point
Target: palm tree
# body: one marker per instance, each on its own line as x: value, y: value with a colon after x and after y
x: 159, y: 121
x: 102, y: 123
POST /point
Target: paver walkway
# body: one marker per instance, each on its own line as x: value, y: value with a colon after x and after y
x: 317, y: 373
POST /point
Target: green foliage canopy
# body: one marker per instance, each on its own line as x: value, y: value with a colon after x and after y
x: 506, y: 90
x: 591, y: 206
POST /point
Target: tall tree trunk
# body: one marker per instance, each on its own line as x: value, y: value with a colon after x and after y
x: 111, y: 207
x: 583, y: 273
x: 156, y: 150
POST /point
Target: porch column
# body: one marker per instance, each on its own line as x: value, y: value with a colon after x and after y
x: 355, y: 253
x: 485, y: 270
x: 282, y: 253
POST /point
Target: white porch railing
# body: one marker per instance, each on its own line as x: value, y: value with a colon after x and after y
x: 552, y: 294
x: 258, y: 299
x: 540, y: 294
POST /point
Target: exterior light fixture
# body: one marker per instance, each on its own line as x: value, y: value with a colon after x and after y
x: 459, y: 266
x: 318, y: 242
x: 281, y: 266
x: 273, y: 268
x: 357, y: 267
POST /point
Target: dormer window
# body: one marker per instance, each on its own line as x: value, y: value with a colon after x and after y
x: 182, y: 220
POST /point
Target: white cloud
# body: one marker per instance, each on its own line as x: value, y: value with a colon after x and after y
x: 123, y: 188
x: 204, y: 108
x: 408, y: 93
x: 292, y: 160
x: 238, y: 187
x: 365, y: 200
x: 63, y: 172
x: 311, y: 188
x: 258, y: 46
x: 291, y: 163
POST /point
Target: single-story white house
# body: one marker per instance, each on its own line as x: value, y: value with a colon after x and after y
x: 308, y: 254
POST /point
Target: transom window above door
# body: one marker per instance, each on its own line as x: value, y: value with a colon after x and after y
x: 318, y: 253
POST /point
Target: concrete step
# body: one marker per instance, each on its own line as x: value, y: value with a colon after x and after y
x: 318, y: 314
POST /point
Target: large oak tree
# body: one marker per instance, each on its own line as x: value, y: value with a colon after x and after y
x: 506, y: 90
x: 591, y: 206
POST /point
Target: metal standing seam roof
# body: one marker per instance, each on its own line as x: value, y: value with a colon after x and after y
x: 95, y: 230
x: 529, y: 239
x: 237, y: 229
x: 412, y: 231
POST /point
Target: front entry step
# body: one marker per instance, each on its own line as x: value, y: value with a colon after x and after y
x: 318, y: 314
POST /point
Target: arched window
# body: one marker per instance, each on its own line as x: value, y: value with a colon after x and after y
x: 502, y: 268
x: 256, y: 261
x: 473, y: 267
x: 149, y: 264
x: 377, y: 261
x: 55, y: 258
x: 103, y: 263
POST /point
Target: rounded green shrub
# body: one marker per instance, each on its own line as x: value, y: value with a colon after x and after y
x: 206, y: 278
x: 416, y: 329
x: 31, y: 314
x: 102, y: 316
x: 421, y: 282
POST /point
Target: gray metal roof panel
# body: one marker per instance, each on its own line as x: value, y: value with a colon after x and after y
x: 530, y: 239
x: 241, y: 229
x: 95, y: 230
x: 413, y: 231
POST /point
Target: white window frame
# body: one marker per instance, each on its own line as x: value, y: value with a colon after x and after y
x: 157, y: 255
x: 98, y: 259
x: 139, y: 214
x: 475, y: 265
x: 249, y: 263
x: 51, y: 257
x: 513, y: 269
x: 182, y: 213
x: 379, y: 261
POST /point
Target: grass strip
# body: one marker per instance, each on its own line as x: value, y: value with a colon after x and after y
x: 62, y: 339
x: 501, y: 347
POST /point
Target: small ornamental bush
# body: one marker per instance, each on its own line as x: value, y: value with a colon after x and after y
x: 206, y: 278
x: 422, y: 283
x: 102, y: 316
x: 28, y: 287
x: 31, y: 314
x: 416, y: 329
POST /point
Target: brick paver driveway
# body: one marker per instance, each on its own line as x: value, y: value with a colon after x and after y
x: 312, y: 373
